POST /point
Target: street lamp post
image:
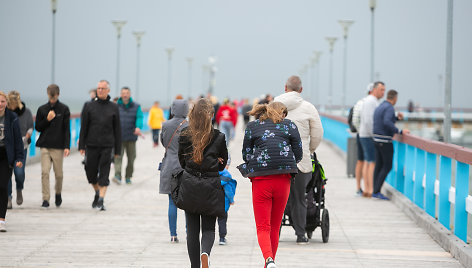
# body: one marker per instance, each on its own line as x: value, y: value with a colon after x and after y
x: 53, y: 53
x: 205, y: 69
x: 169, y: 51
x: 372, y: 5
x: 213, y: 69
x: 448, y: 77
x: 138, y: 35
x: 189, y: 62
x: 118, y: 25
x: 317, y: 55
x: 345, y: 24
x: 331, y: 41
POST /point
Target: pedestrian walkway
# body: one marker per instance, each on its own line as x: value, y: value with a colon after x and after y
x: 133, y: 232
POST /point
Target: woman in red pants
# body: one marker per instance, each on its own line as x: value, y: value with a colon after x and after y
x: 271, y: 150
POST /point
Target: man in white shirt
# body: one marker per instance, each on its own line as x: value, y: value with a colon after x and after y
x: 306, y: 118
x: 366, y: 133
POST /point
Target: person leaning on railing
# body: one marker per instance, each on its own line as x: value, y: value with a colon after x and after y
x: 384, y: 129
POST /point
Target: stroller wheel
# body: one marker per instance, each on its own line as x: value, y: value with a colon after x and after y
x: 325, y: 226
x: 309, y: 234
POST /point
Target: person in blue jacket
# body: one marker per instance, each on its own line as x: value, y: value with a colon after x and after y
x: 229, y: 185
x: 384, y: 129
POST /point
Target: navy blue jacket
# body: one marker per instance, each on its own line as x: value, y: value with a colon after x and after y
x: 384, y: 122
x: 131, y: 117
x: 13, y: 140
x: 271, y: 148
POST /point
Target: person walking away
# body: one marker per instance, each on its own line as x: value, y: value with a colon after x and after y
x: 271, y: 150
x: 306, y: 118
x: 365, y: 135
x: 384, y: 129
x: 155, y: 120
x: 244, y: 111
x: 131, y: 121
x: 53, y: 122
x: 356, y: 121
x: 25, y: 120
x: 226, y: 118
x: 170, y: 163
x: 100, y: 132
x: 202, y: 154
x: 229, y: 185
x: 11, y: 153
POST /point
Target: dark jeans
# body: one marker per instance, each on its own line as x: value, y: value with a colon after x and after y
x: 297, y: 202
x: 98, y: 159
x: 5, y: 175
x: 19, y: 176
x: 222, y: 225
x: 155, y: 136
x: 193, y: 235
x: 383, y: 164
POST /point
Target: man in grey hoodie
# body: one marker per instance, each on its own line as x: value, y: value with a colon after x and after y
x: 306, y: 118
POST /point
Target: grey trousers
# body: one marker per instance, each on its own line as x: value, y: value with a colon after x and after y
x: 297, y: 202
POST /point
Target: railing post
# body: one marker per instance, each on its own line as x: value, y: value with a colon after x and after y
x: 419, y: 175
x: 77, y: 131
x: 32, y: 146
x: 409, y: 171
x: 430, y: 198
x: 462, y: 191
x: 400, y: 168
x: 444, y: 186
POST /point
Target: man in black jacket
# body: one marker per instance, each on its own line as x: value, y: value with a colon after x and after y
x: 53, y: 121
x: 100, y: 132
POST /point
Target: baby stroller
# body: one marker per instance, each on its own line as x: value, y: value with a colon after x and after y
x: 317, y: 215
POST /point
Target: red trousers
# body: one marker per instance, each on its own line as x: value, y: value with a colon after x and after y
x: 269, y: 198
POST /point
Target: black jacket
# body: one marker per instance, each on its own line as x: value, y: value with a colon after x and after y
x: 100, y: 125
x: 13, y: 142
x: 55, y: 133
x: 214, y: 150
x: 271, y: 148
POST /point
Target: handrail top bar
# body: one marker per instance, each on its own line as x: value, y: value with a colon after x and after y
x: 453, y: 151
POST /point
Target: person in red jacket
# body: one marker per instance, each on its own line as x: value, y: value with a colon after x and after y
x: 227, y: 117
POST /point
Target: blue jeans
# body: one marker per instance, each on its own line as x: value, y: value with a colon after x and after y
x: 368, y: 149
x: 228, y: 129
x: 172, y: 214
x: 19, y: 176
x: 155, y: 136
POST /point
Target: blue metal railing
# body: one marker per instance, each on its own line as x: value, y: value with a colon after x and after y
x: 423, y: 172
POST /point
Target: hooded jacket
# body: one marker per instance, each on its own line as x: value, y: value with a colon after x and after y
x: 12, y: 140
x: 26, y: 122
x: 170, y: 162
x: 306, y: 118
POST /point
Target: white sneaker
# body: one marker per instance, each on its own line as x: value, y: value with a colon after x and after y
x: 3, y: 226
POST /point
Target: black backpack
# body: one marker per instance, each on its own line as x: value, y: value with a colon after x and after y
x: 349, y: 120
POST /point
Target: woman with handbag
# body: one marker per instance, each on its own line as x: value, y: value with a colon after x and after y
x: 271, y: 150
x: 170, y: 163
x: 202, y: 154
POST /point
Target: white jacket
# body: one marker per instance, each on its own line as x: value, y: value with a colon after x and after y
x: 306, y: 118
x: 366, y: 128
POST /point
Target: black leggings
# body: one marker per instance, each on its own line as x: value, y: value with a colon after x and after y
x: 193, y: 235
x: 5, y: 175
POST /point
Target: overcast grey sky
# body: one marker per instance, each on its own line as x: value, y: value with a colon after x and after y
x: 258, y: 45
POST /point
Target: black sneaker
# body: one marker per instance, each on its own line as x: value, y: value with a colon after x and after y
x: 100, y: 205
x: 302, y: 240
x: 95, y: 201
x: 58, y: 200
x: 45, y: 204
x: 222, y: 241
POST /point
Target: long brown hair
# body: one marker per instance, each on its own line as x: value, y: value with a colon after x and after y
x: 200, y: 127
x: 275, y: 111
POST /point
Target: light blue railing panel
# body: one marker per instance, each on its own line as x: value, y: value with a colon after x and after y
x: 400, y: 179
x: 444, y: 186
x: 409, y: 171
x: 462, y: 191
x: 418, y: 195
x: 430, y: 197
x: 336, y: 132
